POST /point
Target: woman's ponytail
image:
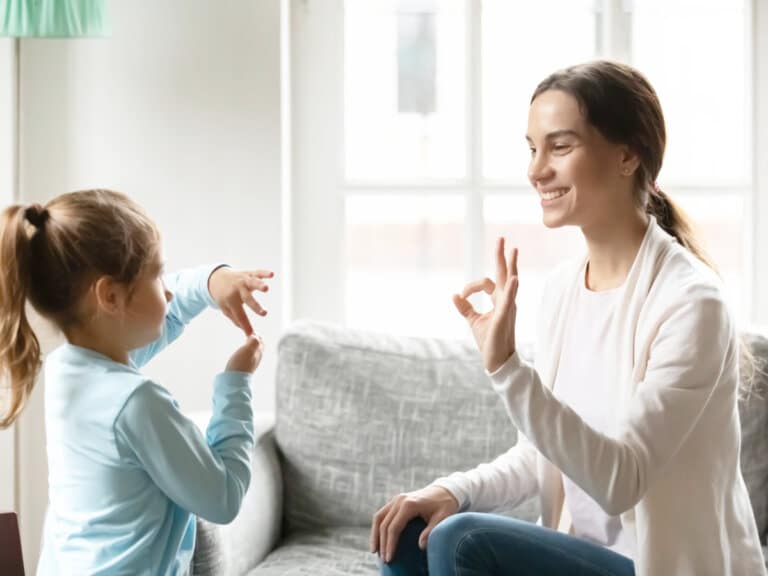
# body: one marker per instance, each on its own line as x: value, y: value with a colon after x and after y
x: 676, y: 223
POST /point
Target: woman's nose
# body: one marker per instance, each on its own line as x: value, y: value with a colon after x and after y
x: 168, y: 295
x: 539, y: 169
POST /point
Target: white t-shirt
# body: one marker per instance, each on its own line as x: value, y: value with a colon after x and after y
x: 587, y: 381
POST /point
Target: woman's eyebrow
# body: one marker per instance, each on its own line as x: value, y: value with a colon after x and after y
x: 557, y: 134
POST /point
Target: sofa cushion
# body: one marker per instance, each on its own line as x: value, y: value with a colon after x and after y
x: 325, y: 552
x: 362, y: 416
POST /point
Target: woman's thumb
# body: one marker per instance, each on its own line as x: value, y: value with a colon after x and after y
x: 424, y: 536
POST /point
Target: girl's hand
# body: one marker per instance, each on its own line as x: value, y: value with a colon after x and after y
x: 233, y: 290
x: 432, y: 503
x: 494, y: 331
x: 248, y: 357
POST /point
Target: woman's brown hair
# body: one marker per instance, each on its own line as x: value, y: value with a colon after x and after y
x: 623, y: 106
x: 49, y: 255
x: 620, y: 103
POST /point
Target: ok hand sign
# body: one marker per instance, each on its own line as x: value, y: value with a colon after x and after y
x: 494, y: 331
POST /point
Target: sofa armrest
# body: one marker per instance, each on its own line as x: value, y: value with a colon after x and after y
x: 240, y: 546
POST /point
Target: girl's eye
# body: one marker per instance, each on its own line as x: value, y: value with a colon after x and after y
x: 533, y: 151
x: 561, y: 147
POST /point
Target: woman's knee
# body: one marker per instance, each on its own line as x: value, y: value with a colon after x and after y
x: 447, y: 535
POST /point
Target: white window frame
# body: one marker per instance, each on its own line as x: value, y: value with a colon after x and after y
x: 758, y: 205
x: 319, y: 187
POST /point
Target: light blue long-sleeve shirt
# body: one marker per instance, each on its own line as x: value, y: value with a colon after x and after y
x: 128, y: 471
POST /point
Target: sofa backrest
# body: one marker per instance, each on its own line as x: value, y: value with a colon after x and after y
x: 753, y: 410
x: 361, y: 417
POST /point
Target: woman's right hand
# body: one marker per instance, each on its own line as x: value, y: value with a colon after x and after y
x: 247, y: 357
x: 433, y: 504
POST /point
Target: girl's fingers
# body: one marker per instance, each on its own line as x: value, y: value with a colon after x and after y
x: 240, y: 318
x: 261, y: 273
x: 251, y: 302
x: 253, y: 283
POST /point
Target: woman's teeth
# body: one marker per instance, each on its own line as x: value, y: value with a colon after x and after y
x: 553, y: 195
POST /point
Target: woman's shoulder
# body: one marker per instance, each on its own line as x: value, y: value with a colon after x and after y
x: 682, y: 275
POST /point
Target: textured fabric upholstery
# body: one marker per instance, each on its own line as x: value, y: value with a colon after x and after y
x: 363, y: 416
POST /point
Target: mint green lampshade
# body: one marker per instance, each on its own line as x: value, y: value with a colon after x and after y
x: 53, y: 18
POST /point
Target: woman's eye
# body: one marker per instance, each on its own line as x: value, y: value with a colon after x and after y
x: 561, y: 147
x: 533, y: 151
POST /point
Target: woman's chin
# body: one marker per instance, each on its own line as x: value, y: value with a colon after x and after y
x: 551, y: 220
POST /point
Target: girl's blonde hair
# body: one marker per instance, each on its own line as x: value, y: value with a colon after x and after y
x: 49, y: 256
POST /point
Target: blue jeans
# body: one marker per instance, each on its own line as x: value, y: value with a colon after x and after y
x: 473, y: 544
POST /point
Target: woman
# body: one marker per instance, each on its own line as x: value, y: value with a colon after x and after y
x: 629, y: 428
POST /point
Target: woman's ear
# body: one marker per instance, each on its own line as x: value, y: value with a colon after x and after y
x: 629, y: 161
x: 110, y: 295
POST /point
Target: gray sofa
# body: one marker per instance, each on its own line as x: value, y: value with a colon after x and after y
x: 363, y: 416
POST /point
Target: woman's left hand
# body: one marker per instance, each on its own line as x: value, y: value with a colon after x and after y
x: 494, y: 331
x: 232, y: 290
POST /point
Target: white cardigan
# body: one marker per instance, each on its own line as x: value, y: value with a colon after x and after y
x: 672, y: 472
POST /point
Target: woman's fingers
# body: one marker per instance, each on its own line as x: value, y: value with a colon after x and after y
x: 376, y: 525
x: 501, y: 263
x: 465, y: 307
x: 513, y: 262
x: 401, y: 517
x: 434, y: 521
x: 485, y: 285
x: 384, y: 526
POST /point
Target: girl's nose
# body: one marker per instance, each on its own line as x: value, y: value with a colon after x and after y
x: 168, y: 295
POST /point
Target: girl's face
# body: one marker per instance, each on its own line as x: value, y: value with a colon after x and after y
x: 577, y: 172
x: 145, y: 311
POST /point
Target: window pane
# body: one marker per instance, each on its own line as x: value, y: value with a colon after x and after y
x: 695, y: 55
x: 522, y: 43
x: 405, y: 260
x: 404, y: 89
x: 518, y: 219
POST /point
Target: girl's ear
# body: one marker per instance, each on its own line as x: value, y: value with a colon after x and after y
x: 110, y: 295
x: 629, y: 161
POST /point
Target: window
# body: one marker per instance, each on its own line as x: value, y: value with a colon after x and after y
x: 429, y: 165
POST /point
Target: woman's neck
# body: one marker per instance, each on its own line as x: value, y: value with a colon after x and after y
x: 612, y: 246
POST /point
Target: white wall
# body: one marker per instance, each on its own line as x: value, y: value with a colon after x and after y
x: 7, y: 183
x: 180, y: 108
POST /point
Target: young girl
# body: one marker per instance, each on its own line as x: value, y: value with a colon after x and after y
x: 628, y: 421
x: 127, y: 471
